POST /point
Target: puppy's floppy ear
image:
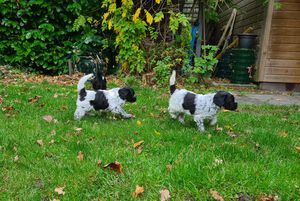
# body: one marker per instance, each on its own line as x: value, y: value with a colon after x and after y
x: 127, y: 94
x: 123, y: 93
x: 219, y: 98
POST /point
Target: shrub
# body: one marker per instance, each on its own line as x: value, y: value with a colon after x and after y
x: 38, y: 34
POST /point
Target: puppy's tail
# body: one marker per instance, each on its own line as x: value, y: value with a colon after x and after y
x: 172, y: 82
x: 82, y: 81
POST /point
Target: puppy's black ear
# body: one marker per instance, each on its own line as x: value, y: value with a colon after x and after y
x: 123, y: 93
x: 219, y: 98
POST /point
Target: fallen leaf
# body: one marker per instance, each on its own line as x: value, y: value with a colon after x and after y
x: 78, y: 129
x: 224, y: 110
x: 139, y: 123
x: 34, y: 99
x: 138, y: 191
x: 268, y: 198
x: 16, y: 158
x: 53, y: 132
x: 59, y: 190
x: 8, y: 109
x: 15, y: 149
x: 298, y: 149
x: 219, y: 129
x: 51, y: 141
x: 1, y: 148
x: 169, y: 167
x: 216, y: 195
x: 1, y: 100
x: 54, y: 200
x: 80, y: 156
x: 138, y: 144
x: 40, y: 142
x: 48, y: 118
x: 99, y: 162
x: 164, y: 195
x: 55, y: 95
x: 284, y: 134
x: 140, y: 150
x: 218, y: 162
x: 115, y: 166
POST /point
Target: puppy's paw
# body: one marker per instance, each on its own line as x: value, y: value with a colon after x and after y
x: 132, y: 116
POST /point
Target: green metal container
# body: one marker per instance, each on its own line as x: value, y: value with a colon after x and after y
x: 242, y: 62
x: 223, y: 68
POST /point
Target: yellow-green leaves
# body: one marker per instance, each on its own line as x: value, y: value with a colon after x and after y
x: 158, y: 16
x: 136, y: 15
x: 149, y: 17
x: 157, y: 1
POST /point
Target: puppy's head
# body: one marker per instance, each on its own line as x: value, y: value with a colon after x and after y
x: 225, y: 99
x: 127, y: 94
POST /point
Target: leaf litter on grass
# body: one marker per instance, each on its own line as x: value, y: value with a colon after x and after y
x: 115, y: 166
x: 138, y: 190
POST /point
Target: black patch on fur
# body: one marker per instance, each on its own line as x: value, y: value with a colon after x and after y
x: 127, y: 94
x: 100, y: 102
x: 99, y: 82
x: 82, y: 94
x: 172, y: 88
x: 189, y: 102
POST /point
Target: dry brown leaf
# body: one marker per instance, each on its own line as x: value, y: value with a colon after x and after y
x: 78, y: 129
x: 55, y: 95
x: 169, y: 167
x: 216, y: 195
x: 55, y: 200
x: 284, y: 134
x: 52, y: 141
x: 138, y: 190
x: 99, y: 162
x: 53, y: 132
x: 298, y: 149
x: 164, y: 195
x: 1, y: 100
x: 16, y: 158
x: 40, y: 142
x: 268, y: 198
x: 219, y: 129
x: 115, y: 166
x: 15, y: 149
x: 138, y: 144
x: 34, y: 99
x: 59, y: 190
x: 48, y: 118
x: 8, y: 109
x: 80, y: 156
x: 139, y: 150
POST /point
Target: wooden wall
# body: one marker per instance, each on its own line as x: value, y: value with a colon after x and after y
x: 282, y: 60
x: 249, y: 13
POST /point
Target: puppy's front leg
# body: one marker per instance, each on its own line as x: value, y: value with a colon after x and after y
x: 200, y: 123
x: 213, y: 121
x: 120, y: 111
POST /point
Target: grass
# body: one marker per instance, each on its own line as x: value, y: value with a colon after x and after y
x: 256, y: 150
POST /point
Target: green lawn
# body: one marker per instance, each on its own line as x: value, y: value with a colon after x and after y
x: 254, y: 153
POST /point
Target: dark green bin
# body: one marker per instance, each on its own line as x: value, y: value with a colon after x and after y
x: 241, y: 61
x: 223, y: 67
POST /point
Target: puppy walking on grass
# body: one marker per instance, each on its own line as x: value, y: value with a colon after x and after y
x: 112, y: 100
x: 200, y: 106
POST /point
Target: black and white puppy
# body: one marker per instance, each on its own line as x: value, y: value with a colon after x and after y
x: 111, y: 100
x: 200, y: 106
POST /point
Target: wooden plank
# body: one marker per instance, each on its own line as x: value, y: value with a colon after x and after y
x: 250, y: 20
x: 285, y: 62
x: 288, y: 1
x: 282, y: 71
x: 281, y: 78
x: 290, y: 6
x: 285, y: 31
x: 283, y: 55
x: 285, y: 40
x: 286, y: 23
x: 285, y: 47
x: 286, y: 15
x: 262, y: 55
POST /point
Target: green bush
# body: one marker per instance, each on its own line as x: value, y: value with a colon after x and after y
x: 38, y: 35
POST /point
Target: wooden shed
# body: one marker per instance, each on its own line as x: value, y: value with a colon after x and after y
x: 278, y: 50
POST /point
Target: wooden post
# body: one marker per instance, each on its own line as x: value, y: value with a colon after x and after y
x: 200, y: 31
x: 70, y: 64
x: 262, y: 55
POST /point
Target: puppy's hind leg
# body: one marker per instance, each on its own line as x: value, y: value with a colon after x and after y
x: 200, y: 123
x: 120, y: 111
x: 181, y: 118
